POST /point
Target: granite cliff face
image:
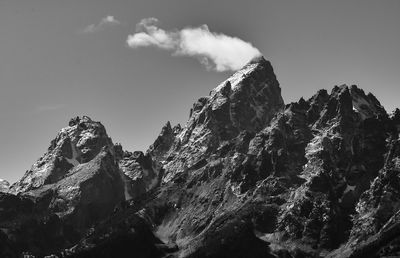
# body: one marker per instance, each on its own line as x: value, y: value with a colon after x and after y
x: 247, y: 176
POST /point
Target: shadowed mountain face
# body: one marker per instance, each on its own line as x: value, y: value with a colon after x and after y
x: 247, y: 176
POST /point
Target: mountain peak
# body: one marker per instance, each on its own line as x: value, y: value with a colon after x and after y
x: 78, y: 143
x: 257, y: 68
x: 258, y: 60
x: 78, y: 119
x: 365, y: 105
x: 247, y: 100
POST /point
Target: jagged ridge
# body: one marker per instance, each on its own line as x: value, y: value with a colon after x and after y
x: 246, y: 176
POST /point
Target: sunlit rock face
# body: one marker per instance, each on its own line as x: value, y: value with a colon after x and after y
x: 246, y: 101
x: 142, y: 174
x: 4, y: 185
x: 74, y: 145
x: 87, y: 194
x: 247, y: 176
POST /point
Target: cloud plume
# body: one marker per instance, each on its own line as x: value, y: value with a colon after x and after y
x: 214, y: 50
x: 105, y: 22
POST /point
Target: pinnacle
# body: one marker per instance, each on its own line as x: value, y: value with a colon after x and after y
x: 258, y: 59
x: 76, y: 120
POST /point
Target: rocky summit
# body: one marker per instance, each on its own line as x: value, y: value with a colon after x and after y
x: 247, y: 176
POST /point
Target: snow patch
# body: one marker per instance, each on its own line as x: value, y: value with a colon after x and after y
x: 349, y: 188
x: 153, y: 176
x: 42, y: 170
x: 69, y: 192
x: 74, y: 160
x: 236, y: 78
x: 314, y: 146
x: 363, y: 107
x: 126, y: 186
x: 85, y: 136
x: 259, y: 112
x: 153, y: 183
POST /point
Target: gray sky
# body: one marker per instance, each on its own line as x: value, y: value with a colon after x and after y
x: 59, y: 59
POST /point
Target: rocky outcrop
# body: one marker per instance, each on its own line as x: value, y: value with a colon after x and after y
x: 159, y: 149
x: 87, y: 194
x: 142, y: 174
x: 4, y: 185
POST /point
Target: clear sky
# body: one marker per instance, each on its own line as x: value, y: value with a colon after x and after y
x: 59, y: 59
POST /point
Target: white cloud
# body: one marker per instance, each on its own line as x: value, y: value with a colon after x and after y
x: 149, y: 34
x: 105, y: 22
x: 214, y: 50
